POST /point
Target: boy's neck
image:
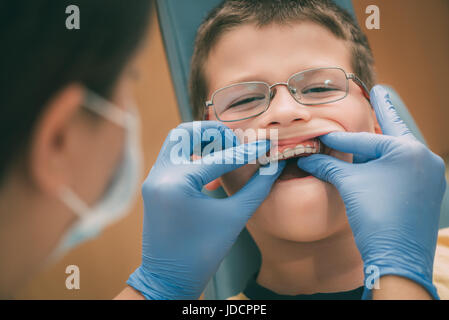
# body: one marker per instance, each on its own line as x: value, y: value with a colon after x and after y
x: 332, y: 264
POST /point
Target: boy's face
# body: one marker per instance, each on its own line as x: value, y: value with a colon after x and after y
x: 298, y: 208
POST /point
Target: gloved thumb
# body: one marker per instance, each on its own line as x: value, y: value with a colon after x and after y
x: 325, y: 168
x: 251, y: 196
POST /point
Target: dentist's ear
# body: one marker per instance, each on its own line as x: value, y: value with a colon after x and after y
x: 51, y: 143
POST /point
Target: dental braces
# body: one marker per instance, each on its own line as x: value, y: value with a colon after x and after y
x: 287, y: 153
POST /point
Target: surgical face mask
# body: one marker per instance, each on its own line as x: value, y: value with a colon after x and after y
x: 119, y: 195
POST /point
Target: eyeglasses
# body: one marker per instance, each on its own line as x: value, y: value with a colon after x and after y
x: 316, y: 86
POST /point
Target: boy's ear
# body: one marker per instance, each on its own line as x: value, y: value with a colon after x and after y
x: 213, y: 185
x: 206, y: 114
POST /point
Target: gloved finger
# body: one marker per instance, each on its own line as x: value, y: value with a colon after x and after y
x: 217, y: 136
x: 364, y: 144
x: 191, y: 137
x: 218, y: 163
x: 359, y: 158
x: 255, y: 191
x: 389, y: 120
x: 326, y: 168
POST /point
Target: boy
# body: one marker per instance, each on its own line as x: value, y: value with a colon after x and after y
x: 304, y: 68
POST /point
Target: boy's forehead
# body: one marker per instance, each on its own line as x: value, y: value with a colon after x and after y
x: 273, y: 52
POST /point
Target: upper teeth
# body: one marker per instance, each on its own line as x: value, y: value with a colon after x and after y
x: 288, y: 153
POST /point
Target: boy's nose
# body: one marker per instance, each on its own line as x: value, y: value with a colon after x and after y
x: 284, y: 109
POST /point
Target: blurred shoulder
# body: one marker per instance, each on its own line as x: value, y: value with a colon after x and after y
x: 239, y: 296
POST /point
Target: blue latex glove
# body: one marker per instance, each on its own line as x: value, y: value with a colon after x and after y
x: 392, y: 200
x: 186, y: 234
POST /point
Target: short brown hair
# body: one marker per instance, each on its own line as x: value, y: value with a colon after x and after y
x: 233, y: 13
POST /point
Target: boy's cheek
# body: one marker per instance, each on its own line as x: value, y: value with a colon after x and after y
x: 377, y: 128
x: 357, y: 119
x: 354, y: 114
x: 359, y: 116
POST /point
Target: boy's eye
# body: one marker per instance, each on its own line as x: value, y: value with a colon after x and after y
x: 318, y: 89
x: 247, y: 102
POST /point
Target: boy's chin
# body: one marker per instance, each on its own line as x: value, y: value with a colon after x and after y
x: 305, y: 211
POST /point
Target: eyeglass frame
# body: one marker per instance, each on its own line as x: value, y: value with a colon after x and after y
x: 349, y: 76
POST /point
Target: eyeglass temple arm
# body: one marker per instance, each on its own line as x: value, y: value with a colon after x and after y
x: 360, y: 83
x: 206, y: 110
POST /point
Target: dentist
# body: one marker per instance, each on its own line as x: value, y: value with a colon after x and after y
x: 70, y: 149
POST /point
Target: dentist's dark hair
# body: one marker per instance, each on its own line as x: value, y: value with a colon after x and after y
x: 39, y: 56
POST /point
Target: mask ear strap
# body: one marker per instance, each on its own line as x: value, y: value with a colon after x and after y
x: 104, y: 108
x: 72, y: 201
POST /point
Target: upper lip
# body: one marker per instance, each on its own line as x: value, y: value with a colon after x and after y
x: 298, y: 139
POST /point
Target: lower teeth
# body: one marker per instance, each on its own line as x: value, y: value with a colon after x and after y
x: 263, y: 160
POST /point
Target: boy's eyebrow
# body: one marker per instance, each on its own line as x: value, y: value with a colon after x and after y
x: 240, y: 80
x: 258, y: 77
x: 247, y: 78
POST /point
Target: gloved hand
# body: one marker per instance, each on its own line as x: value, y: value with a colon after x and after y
x: 186, y: 234
x: 393, y: 199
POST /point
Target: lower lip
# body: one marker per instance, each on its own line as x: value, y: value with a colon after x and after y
x: 295, y: 179
x: 291, y: 172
